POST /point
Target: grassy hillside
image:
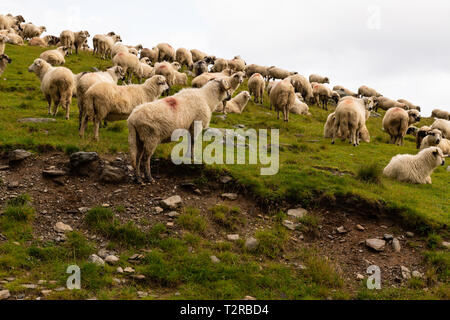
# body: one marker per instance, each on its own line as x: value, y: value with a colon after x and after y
x: 311, y: 169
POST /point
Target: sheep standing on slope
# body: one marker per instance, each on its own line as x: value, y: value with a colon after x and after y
x: 318, y: 79
x: 365, y: 91
x: 130, y: 64
x: 4, y: 60
x: 256, y: 86
x: 344, y: 92
x: 238, y: 103
x: 110, y: 102
x: 280, y: 74
x: 237, y: 64
x: 200, y: 67
x: 440, y: 114
x: 153, y: 123
x: 386, y: 104
x: 350, y: 118
x: 29, y: 31
x: 415, y: 169
x: 323, y: 94
x: 204, y: 78
x: 443, y: 126
x: 282, y: 97
x: 55, y: 57
x: 397, y: 121
x: 220, y: 65
x: 152, y: 54
x: 98, y: 38
x: 147, y: 69
x: 184, y: 57
x: 434, y: 139
x: 8, y: 21
x: 410, y: 105
x: 89, y: 79
x: 166, y: 52
x: 57, y: 84
x: 2, y: 43
x: 303, y: 86
x: 364, y: 134
x: 421, y: 134
x: 170, y: 72
x: 106, y: 44
x: 254, y: 68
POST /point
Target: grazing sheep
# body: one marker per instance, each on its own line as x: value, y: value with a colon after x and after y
x: 280, y: 74
x: 200, y: 67
x: 89, y: 79
x: 220, y: 65
x: 254, y: 68
x: 365, y: 91
x: 4, y: 60
x: 55, y: 57
x: 169, y: 71
x: 282, y: 98
x: 318, y: 79
x: 14, y: 39
x: 396, y: 122
x: 329, y: 128
x: 152, y: 54
x: 421, y: 134
x: 67, y: 39
x: 322, y: 94
x: 235, y: 80
x: 110, y: 102
x: 238, y: 103
x: 416, y: 169
x: 106, y: 44
x: 147, y: 70
x: 29, y: 31
x: 270, y: 86
x: 197, y: 55
x: 344, y: 92
x: 350, y: 118
x: 410, y: 105
x: 434, y: 139
x: 99, y: 37
x: 184, y: 57
x: 256, y: 85
x: 412, y: 130
x: 130, y: 64
x: 166, y: 52
x: 204, y: 78
x: 57, y: 84
x: 444, y: 126
x: 8, y: 21
x: 386, y: 104
x: 440, y: 114
x: 118, y: 47
x: 237, y: 64
x: 3, y: 40
x: 302, y: 86
x: 153, y: 123
x: 80, y: 38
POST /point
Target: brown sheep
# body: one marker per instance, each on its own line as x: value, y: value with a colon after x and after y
x: 396, y: 122
x: 282, y: 97
x: 256, y: 86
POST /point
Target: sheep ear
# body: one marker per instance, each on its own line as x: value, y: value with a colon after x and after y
x: 436, y: 153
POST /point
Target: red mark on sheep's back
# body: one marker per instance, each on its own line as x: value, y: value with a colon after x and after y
x: 172, y: 102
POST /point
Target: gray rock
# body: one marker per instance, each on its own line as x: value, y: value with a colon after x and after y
x: 388, y: 237
x: 119, y: 270
x: 36, y: 120
x: 112, y: 259
x: 417, y: 274
x: 159, y: 210
x: 406, y: 273
x: 62, y: 227
x: 95, y: 259
x: 172, y: 203
x: 214, y: 259
x: 396, y: 245
x: 173, y: 214
x: 113, y: 175
x: 233, y: 237
x: 297, y: 213
x: 226, y: 179
x: 129, y: 270
x: 290, y: 225
x: 251, y: 244
x: 4, y: 294
x: 229, y: 196
x: 19, y: 155
x: 53, y: 173
x: 376, y: 244
x: 341, y: 230
x: 102, y: 253
x: 446, y: 244
x: 80, y: 158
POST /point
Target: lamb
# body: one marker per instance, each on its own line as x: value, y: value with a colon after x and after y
x: 197, y: 55
x: 238, y: 103
x: 365, y: 91
x: 318, y: 79
x: 237, y: 64
x: 344, y: 92
x: 57, y: 84
x: 444, y: 126
x: 29, y: 31
x: 396, y: 122
x: 277, y: 73
x: 152, y: 54
x: 421, y: 134
x: 386, y: 104
x: 184, y: 57
x: 200, y: 67
x: 153, y: 123
x: 130, y: 64
x: 282, y: 97
x: 440, y: 114
x: 299, y: 107
x: 410, y: 105
x: 169, y: 71
x: 8, y: 21
x: 235, y: 80
x: 329, y: 128
x: 55, y: 57
x: 110, y: 102
x: 302, y: 86
x: 89, y: 79
x: 220, y: 65
x: 256, y: 86
x: 4, y: 60
x: 322, y: 94
x: 412, y: 130
x: 434, y: 139
x: 415, y: 169
x: 254, y: 68
x: 99, y: 37
x: 166, y: 52
x: 15, y: 39
x: 350, y: 118
x: 3, y: 40
x: 106, y: 43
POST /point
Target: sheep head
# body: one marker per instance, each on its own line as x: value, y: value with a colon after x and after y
x: 37, y: 66
x: 414, y: 116
x: 6, y: 58
x: 435, y: 136
x: 120, y: 73
x: 439, y: 156
x: 370, y: 103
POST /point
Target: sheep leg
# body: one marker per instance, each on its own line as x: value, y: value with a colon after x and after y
x: 66, y: 103
x: 56, y: 104
x: 84, y: 120
x: 96, y: 128
x: 49, y: 101
x: 149, y: 151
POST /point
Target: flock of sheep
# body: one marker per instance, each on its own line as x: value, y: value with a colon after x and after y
x: 152, y: 120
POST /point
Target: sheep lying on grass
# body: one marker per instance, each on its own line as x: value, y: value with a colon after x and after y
x: 396, y: 122
x: 55, y: 57
x: 14, y: 39
x: 299, y: 107
x: 238, y: 103
x: 4, y: 60
x: 415, y: 169
x: 110, y: 102
x: 153, y: 123
x: 57, y: 84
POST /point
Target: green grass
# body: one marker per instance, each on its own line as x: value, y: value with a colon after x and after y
x: 191, y: 220
x: 229, y: 218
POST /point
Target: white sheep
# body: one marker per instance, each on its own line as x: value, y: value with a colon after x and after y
x: 97, y: 38
x: 318, y: 79
x: 256, y: 86
x: 434, y: 139
x: 106, y: 43
x: 237, y: 64
x: 397, y: 121
x: 184, y: 57
x: 130, y: 64
x: 364, y: 134
x: 278, y: 73
x: 282, y: 97
x: 440, y: 114
x: 169, y: 71
x: 204, y: 78
x: 166, y: 52
x: 365, y: 91
x: 110, y: 102
x: 416, y: 169
x: 153, y: 123
x: 302, y: 86
x: 254, y: 68
x: 29, y: 30
x: 443, y: 126
x: 238, y: 103
x: 323, y: 94
x: 147, y: 69
x: 55, y: 57
x: 8, y: 21
x: 14, y: 39
x: 57, y: 84
x: 299, y: 107
x: 152, y: 54
x: 3, y: 40
x: 4, y: 60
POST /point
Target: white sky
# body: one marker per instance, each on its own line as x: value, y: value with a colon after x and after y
x: 401, y: 48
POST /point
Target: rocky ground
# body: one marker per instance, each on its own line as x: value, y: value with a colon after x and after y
x: 64, y: 189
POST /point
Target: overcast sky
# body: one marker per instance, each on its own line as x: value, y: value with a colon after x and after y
x: 401, y: 48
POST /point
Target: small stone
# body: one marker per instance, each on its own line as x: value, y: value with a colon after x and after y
x: 138, y: 277
x: 136, y: 257
x: 62, y: 227
x: 159, y: 210
x: 112, y: 259
x: 376, y: 244
x: 289, y: 224
x: 170, y: 224
x: 113, y: 175
x: 46, y: 292
x: 95, y: 259
x: 359, y: 277
x: 129, y: 270
x: 173, y: 214
x: 446, y: 244
x: 214, y: 259
x: 341, y: 230
x: 410, y: 235
x: 233, y: 237
x: 388, y: 237
x: 360, y: 227
x: 406, y: 273
x: 142, y: 294
x: 119, y: 270
x: 396, y: 245
x: 4, y: 168
x: 229, y: 196
x: 226, y: 179
x: 172, y: 203
x: 249, y: 298
x: 251, y: 244
x: 14, y: 184
x: 81, y: 158
x: 297, y: 213
x: 83, y: 209
x: 30, y: 286
x: 53, y: 173
x: 417, y: 274
x: 4, y: 294
x: 102, y: 253
x: 19, y: 155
